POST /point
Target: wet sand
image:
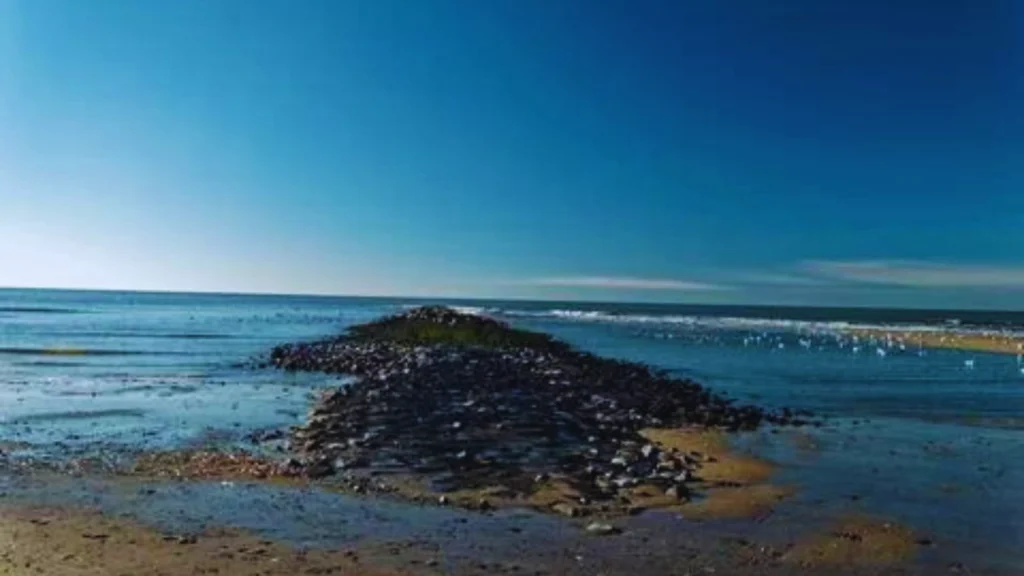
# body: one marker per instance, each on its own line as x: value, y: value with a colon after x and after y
x: 728, y: 484
x: 731, y: 484
x: 207, y: 465
x: 740, y: 520
x: 72, y: 542
x: 856, y: 541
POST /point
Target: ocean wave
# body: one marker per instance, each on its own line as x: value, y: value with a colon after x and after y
x: 676, y: 320
x: 79, y: 415
x: 473, y: 310
x: 741, y: 323
x: 50, y: 364
x: 728, y: 322
x: 36, y: 310
x: 15, y: 351
x: 136, y: 335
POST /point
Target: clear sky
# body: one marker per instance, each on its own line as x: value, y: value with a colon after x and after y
x: 844, y: 152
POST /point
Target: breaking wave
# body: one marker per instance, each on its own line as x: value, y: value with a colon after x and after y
x: 717, y: 322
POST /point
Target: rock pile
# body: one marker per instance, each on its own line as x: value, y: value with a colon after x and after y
x: 473, y: 402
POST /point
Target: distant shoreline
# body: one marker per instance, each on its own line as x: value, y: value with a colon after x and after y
x: 980, y: 341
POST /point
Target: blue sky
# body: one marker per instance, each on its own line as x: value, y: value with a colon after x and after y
x: 864, y: 152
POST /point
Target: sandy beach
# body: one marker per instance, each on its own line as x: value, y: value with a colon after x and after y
x: 67, y: 542
x: 995, y: 342
x: 71, y: 541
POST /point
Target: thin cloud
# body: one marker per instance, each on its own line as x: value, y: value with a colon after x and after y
x: 623, y: 283
x: 919, y: 274
x: 775, y: 279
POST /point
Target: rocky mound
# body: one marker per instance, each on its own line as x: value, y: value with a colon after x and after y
x: 473, y: 402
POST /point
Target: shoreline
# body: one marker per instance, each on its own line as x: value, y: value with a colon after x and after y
x: 728, y: 489
x: 68, y: 538
x: 993, y: 342
x: 66, y: 541
x: 728, y: 484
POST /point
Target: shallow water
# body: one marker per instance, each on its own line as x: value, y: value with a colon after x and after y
x: 915, y: 436
x: 152, y: 370
x: 932, y: 438
x: 516, y: 541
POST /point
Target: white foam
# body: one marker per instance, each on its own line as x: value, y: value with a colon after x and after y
x: 739, y: 323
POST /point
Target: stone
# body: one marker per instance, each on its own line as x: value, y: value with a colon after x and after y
x: 678, y: 491
x: 344, y: 464
x: 320, y: 469
x: 289, y: 467
x: 602, y: 529
x: 625, y: 481
x: 566, y: 509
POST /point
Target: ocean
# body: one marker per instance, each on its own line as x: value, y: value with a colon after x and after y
x: 931, y: 438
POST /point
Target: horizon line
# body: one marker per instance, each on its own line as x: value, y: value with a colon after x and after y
x: 482, y: 299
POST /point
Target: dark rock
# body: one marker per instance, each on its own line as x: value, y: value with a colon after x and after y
x: 320, y: 469
x: 480, y: 403
x: 677, y: 491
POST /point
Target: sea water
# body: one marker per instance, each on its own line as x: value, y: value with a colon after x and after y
x: 931, y: 438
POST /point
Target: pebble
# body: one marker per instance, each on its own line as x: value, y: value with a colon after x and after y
x: 566, y: 509
x: 678, y: 492
x: 602, y: 529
